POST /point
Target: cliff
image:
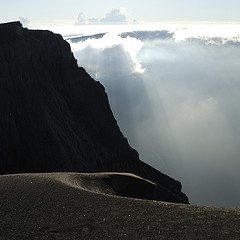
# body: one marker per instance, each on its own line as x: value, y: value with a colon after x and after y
x: 54, y: 117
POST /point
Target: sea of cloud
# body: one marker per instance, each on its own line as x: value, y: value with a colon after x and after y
x: 175, y: 92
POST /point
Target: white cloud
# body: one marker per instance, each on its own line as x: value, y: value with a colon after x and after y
x: 25, y: 22
x: 112, y: 48
x: 115, y: 16
x: 80, y: 19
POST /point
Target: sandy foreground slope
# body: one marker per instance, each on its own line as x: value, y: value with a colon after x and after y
x: 83, y: 206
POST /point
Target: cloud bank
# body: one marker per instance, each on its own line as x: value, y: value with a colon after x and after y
x: 148, y: 35
x: 86, y: 37
x: 178, y: 104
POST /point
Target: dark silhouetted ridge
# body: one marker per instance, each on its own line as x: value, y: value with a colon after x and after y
x: 55, y: 117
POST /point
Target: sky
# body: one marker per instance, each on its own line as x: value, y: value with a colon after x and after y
x: 171, y: 72
x: 57, y: 12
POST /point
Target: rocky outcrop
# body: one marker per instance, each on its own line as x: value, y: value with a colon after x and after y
x: 55, y: 117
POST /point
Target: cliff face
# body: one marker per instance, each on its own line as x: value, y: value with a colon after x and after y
x: 55, y: 117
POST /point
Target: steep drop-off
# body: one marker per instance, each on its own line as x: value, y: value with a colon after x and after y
x: 55, y: 117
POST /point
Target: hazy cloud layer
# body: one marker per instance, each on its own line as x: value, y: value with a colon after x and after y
x: 178, y: 104
x: 218, y: 41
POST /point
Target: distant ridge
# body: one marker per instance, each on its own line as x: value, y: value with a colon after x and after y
x: 55, y: 118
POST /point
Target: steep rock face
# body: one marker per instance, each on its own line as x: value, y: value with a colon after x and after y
x: 55, y: 117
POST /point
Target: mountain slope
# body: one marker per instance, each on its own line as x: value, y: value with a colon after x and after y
x: 55, y: 117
